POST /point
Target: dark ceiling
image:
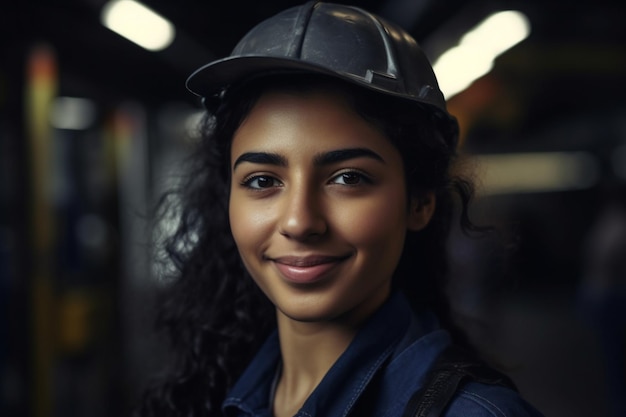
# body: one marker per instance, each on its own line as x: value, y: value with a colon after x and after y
x: 574, y: 60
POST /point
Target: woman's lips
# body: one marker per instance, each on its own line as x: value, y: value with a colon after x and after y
x: 306, y: 270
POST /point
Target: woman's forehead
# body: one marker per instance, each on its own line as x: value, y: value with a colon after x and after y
x: 319, y: 109
x: 314, y: 121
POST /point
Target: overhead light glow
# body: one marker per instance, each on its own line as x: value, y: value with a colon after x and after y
x: 72, y: 113
x: 537, y: 172
x: 138, y: 23
x: 477, y: 50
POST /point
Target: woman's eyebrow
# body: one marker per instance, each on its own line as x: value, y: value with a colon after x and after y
x: 265, y: 158
x: 340, y: 155
x: 326, y: 158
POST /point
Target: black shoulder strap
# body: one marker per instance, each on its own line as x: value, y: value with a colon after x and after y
x: 453, y: 368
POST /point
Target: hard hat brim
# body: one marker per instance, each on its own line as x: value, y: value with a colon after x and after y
x: 219, y: 75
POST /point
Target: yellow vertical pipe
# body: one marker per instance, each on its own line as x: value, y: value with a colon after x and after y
x: 41, y: 86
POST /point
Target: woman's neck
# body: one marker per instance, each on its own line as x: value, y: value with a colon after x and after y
x: 308, y: 352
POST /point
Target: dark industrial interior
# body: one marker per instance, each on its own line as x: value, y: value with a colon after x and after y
x: 76, y: 279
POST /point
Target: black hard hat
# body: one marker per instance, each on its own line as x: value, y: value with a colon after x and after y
x: 341, y: 41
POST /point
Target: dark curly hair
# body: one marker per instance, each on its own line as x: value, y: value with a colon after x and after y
x: 214, y: 315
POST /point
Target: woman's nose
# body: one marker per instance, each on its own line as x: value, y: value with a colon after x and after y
x: 302, y: 215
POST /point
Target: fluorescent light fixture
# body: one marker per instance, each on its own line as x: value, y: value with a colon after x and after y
x: 537, y: 172
x: 72, y: 113
x: 138, y: 23
x: 474, y: 56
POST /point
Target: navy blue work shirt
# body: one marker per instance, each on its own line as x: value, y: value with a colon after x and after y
x: 389, y: 357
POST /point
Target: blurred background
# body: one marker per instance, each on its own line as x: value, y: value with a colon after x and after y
x: 93, y: 126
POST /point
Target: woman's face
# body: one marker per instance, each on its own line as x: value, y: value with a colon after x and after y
x: 318, y: 206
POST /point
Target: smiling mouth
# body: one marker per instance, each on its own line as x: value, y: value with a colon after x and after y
x: 308, y: 269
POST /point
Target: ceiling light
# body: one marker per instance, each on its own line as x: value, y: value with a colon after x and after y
x: 138, y: 23
x: 477, y: 50
x: 72, y: 113
x: 537, y: 172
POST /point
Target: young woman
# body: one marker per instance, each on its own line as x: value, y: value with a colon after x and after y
x: 310, y: 258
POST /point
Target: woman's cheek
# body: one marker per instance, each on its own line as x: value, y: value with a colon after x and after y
x: 366, y: 221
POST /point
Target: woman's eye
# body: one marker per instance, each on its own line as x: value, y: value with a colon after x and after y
x: 260, y: 182
x: 350, y: 178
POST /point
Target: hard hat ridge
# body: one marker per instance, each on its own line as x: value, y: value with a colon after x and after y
x: 300, y: 26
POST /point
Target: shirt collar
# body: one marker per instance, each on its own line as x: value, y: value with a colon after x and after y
x: 345, y: 381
